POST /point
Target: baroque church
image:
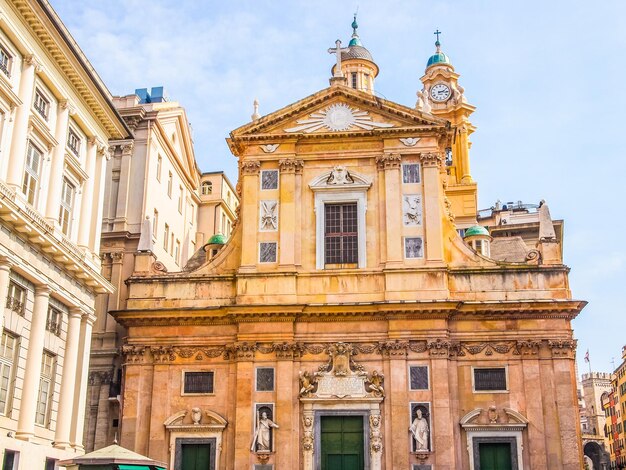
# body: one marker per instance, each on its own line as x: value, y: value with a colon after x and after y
x: 357, y: 318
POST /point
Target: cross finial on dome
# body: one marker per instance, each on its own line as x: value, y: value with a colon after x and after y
x: 437, y: 43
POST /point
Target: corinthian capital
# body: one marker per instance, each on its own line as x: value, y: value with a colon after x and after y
x: 431, y: 159
x: 389, y: 160
x: 250, y: 167
x: 290, y: 165
x: 34, y: 62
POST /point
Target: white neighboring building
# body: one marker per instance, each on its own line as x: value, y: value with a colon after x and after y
x: 56, y: 117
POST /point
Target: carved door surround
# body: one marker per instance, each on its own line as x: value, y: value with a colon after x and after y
x: 195, y: 426
x: 341, y: 388
x: 492, y: 426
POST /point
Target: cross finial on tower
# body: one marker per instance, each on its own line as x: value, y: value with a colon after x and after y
x: 437, y: 43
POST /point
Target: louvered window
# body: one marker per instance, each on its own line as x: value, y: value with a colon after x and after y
x: 198, y: 382
x: 490, y: 379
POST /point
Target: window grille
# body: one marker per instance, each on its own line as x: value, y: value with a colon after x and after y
x: 54, y: 320
x: 341, y: 234
x: 16, y: 300
x: 490, y: 379
x: 198, y: 382
x: 354, y: 80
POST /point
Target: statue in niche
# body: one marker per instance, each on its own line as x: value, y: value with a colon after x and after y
x: 412, y: 210
x: 269, y: 215
x: 420, y: 430
x: 262, y: 440
x: 339, y: 175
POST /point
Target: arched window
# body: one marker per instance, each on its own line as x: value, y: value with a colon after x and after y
x: 207, y: 187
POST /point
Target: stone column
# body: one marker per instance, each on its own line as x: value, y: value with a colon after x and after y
x: 68, y: 381
x: 80, y: 384
x: 390, y: 164
x: 20, y: 127
x: 289, y: 200
x: 97, y: 200
x: 58, y: 160
x: 86, y: 220
x: 464, y: 154
x: 124, y: 188
x: 32, y: 370
x: 433, y: 198
x: 5, y: 270
x: 249, y: 213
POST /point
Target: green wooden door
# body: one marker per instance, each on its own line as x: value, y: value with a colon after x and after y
x: 495, y: 456
x: 342, y: 442
x: 196, y: 457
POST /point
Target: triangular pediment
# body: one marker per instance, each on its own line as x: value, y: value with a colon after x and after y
x: 339, y: 110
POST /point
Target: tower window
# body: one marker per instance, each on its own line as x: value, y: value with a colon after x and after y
x: 340, y: 233
x: 207, y: 187
x: 354, y: 80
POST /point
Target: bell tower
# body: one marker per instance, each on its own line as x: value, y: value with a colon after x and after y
x: 355, y: 66
x: 444, y: 97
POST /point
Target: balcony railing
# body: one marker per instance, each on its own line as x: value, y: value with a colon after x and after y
x: 16, y: 305
x: 54, y: 326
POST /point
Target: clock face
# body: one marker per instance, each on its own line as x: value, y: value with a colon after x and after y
x: 440, y: 92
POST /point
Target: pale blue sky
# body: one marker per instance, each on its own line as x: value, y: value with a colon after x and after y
x: 546, y: 77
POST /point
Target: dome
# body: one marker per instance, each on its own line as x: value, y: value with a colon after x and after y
x: 356, y: 52
x: 438, y: 58
x: 476, y: 230
x: 217, y: 239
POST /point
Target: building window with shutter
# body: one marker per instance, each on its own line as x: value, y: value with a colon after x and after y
x: 30, y: 184
x: 341, y: 235
x: 67, y: 205
x: 46, y: 389
x: 200, y: 382
x: 8, y: 352
x: 490, y: 379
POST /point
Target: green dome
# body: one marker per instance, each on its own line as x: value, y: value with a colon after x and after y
x: 476, y: 230
x: 217, y: 239
x: 438, y: 58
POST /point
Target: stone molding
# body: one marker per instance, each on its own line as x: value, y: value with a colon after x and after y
x: 391, y: 350
x: 100, y: 377
x: 389, y: 161
x: 290, y: 165
x: 250, y: 167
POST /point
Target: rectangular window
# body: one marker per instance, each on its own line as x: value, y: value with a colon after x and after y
x: 166, y: 236
x: 172, y: 244
x: 268, y: 252
x: 490, y: 379
x: 410, y: 173
x: 46, y: 388
x: 177, y: 252
x: 73, y: 142
x: 180, y: 199
x: 5, y: 61
x: 354, y: 80
x: 265, y: 379
x: 158, y: 168
x: 169, y: 184
x: 51, y: 464
x: 16, y: 298
x: 54, y: 320
x: 198, y: 382
x: 67, y: 205
x: 269, y: 179
x: 31, y: 173
x: 41, y: 104
x: 8, y: 352
x: 155, y: 223
x: 11, y: 460
x: 340, y: 233
x: 366, y: 85
x: 207, y: 188
x: 418, y: 377
x: 413, y: 247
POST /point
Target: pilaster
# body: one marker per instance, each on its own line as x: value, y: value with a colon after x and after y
x: 433, y: 225
x: 249, y: 212
x: 32, y: 370
x: 80, y: 386
x: 85, y: 221
x: 97, y: 203
x: 119, y: 223
x: 390, y: 165
x: 289, y: 201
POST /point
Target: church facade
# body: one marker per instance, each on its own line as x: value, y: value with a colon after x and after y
x: 346, y: 324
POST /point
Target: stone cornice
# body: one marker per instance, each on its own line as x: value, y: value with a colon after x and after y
x: 407, y: 349
x: 49, y: 30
